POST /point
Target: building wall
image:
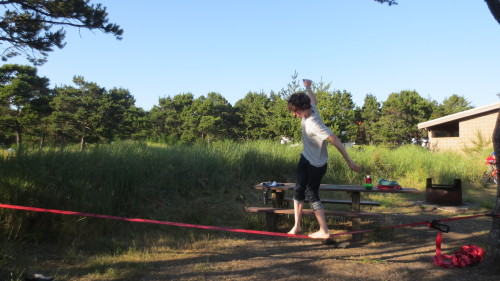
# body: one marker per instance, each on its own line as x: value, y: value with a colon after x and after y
x: 468, y: 133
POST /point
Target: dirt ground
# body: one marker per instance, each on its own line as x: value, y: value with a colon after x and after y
x: 397, y: 254
x: 392, y: 254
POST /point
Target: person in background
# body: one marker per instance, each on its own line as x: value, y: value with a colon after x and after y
x: 491, y: 161
x: 312, y: 165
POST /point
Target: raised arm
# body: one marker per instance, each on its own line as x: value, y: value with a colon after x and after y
x: 310, y: 93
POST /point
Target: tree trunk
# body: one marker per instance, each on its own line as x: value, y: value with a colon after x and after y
x: 18, y: 138
x: 492, y: 261
x: 494, y: 6
x: 82, y: 143
x: 42, y: 139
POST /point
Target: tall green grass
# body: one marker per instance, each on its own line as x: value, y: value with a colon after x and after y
x: 201, y: 184
x: 410, y: 165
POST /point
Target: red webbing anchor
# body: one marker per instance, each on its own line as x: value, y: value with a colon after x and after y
x: 467, y: 255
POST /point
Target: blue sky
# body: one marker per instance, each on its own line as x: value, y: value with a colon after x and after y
x: 438, y: 48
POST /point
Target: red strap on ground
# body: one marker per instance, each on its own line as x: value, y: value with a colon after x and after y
x: 467, y: 255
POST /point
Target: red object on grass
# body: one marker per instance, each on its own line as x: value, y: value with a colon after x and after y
x: 467, y: 255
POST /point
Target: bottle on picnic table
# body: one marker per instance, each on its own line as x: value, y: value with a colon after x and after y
x: 368, y: 182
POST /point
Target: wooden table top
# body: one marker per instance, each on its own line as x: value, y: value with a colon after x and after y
x: 342, y: 187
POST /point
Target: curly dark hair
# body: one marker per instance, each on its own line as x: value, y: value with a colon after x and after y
x: 299, y: 101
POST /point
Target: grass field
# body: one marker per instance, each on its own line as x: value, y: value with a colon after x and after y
x: 200, y: 184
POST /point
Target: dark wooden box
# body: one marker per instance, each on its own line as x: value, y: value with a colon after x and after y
x: 444, y: 194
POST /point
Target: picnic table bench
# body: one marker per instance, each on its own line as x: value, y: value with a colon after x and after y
x: 337, y: 201
x: 279, y: 202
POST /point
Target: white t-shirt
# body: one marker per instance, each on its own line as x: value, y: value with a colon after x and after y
x: 314, y: 135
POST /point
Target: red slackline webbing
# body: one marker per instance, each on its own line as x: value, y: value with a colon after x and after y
x: 467, y: 255
x: 35, y: 209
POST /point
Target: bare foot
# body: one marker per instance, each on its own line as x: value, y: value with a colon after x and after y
x: 320, y: 235
x: 295, y: 230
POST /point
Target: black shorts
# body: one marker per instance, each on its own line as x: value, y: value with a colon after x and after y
x: 308, y: 181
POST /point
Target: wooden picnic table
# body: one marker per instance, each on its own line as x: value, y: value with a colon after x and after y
x: 354, y: 190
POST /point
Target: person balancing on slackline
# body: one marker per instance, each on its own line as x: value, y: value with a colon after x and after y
x: 313, y: 161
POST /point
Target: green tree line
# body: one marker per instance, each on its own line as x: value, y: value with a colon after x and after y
x: 32, y: 112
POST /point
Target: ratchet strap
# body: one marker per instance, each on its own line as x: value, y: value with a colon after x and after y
x: 467, y: 255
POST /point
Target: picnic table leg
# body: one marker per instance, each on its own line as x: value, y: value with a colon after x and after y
x: 356, y: 222
x: 278, y: 198
x: 270, y: 222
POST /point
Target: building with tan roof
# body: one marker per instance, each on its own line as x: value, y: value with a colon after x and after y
x: 462, y: 130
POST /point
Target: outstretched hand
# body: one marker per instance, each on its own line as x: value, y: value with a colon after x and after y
x: 307, y: 83
x: 353, y: 166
